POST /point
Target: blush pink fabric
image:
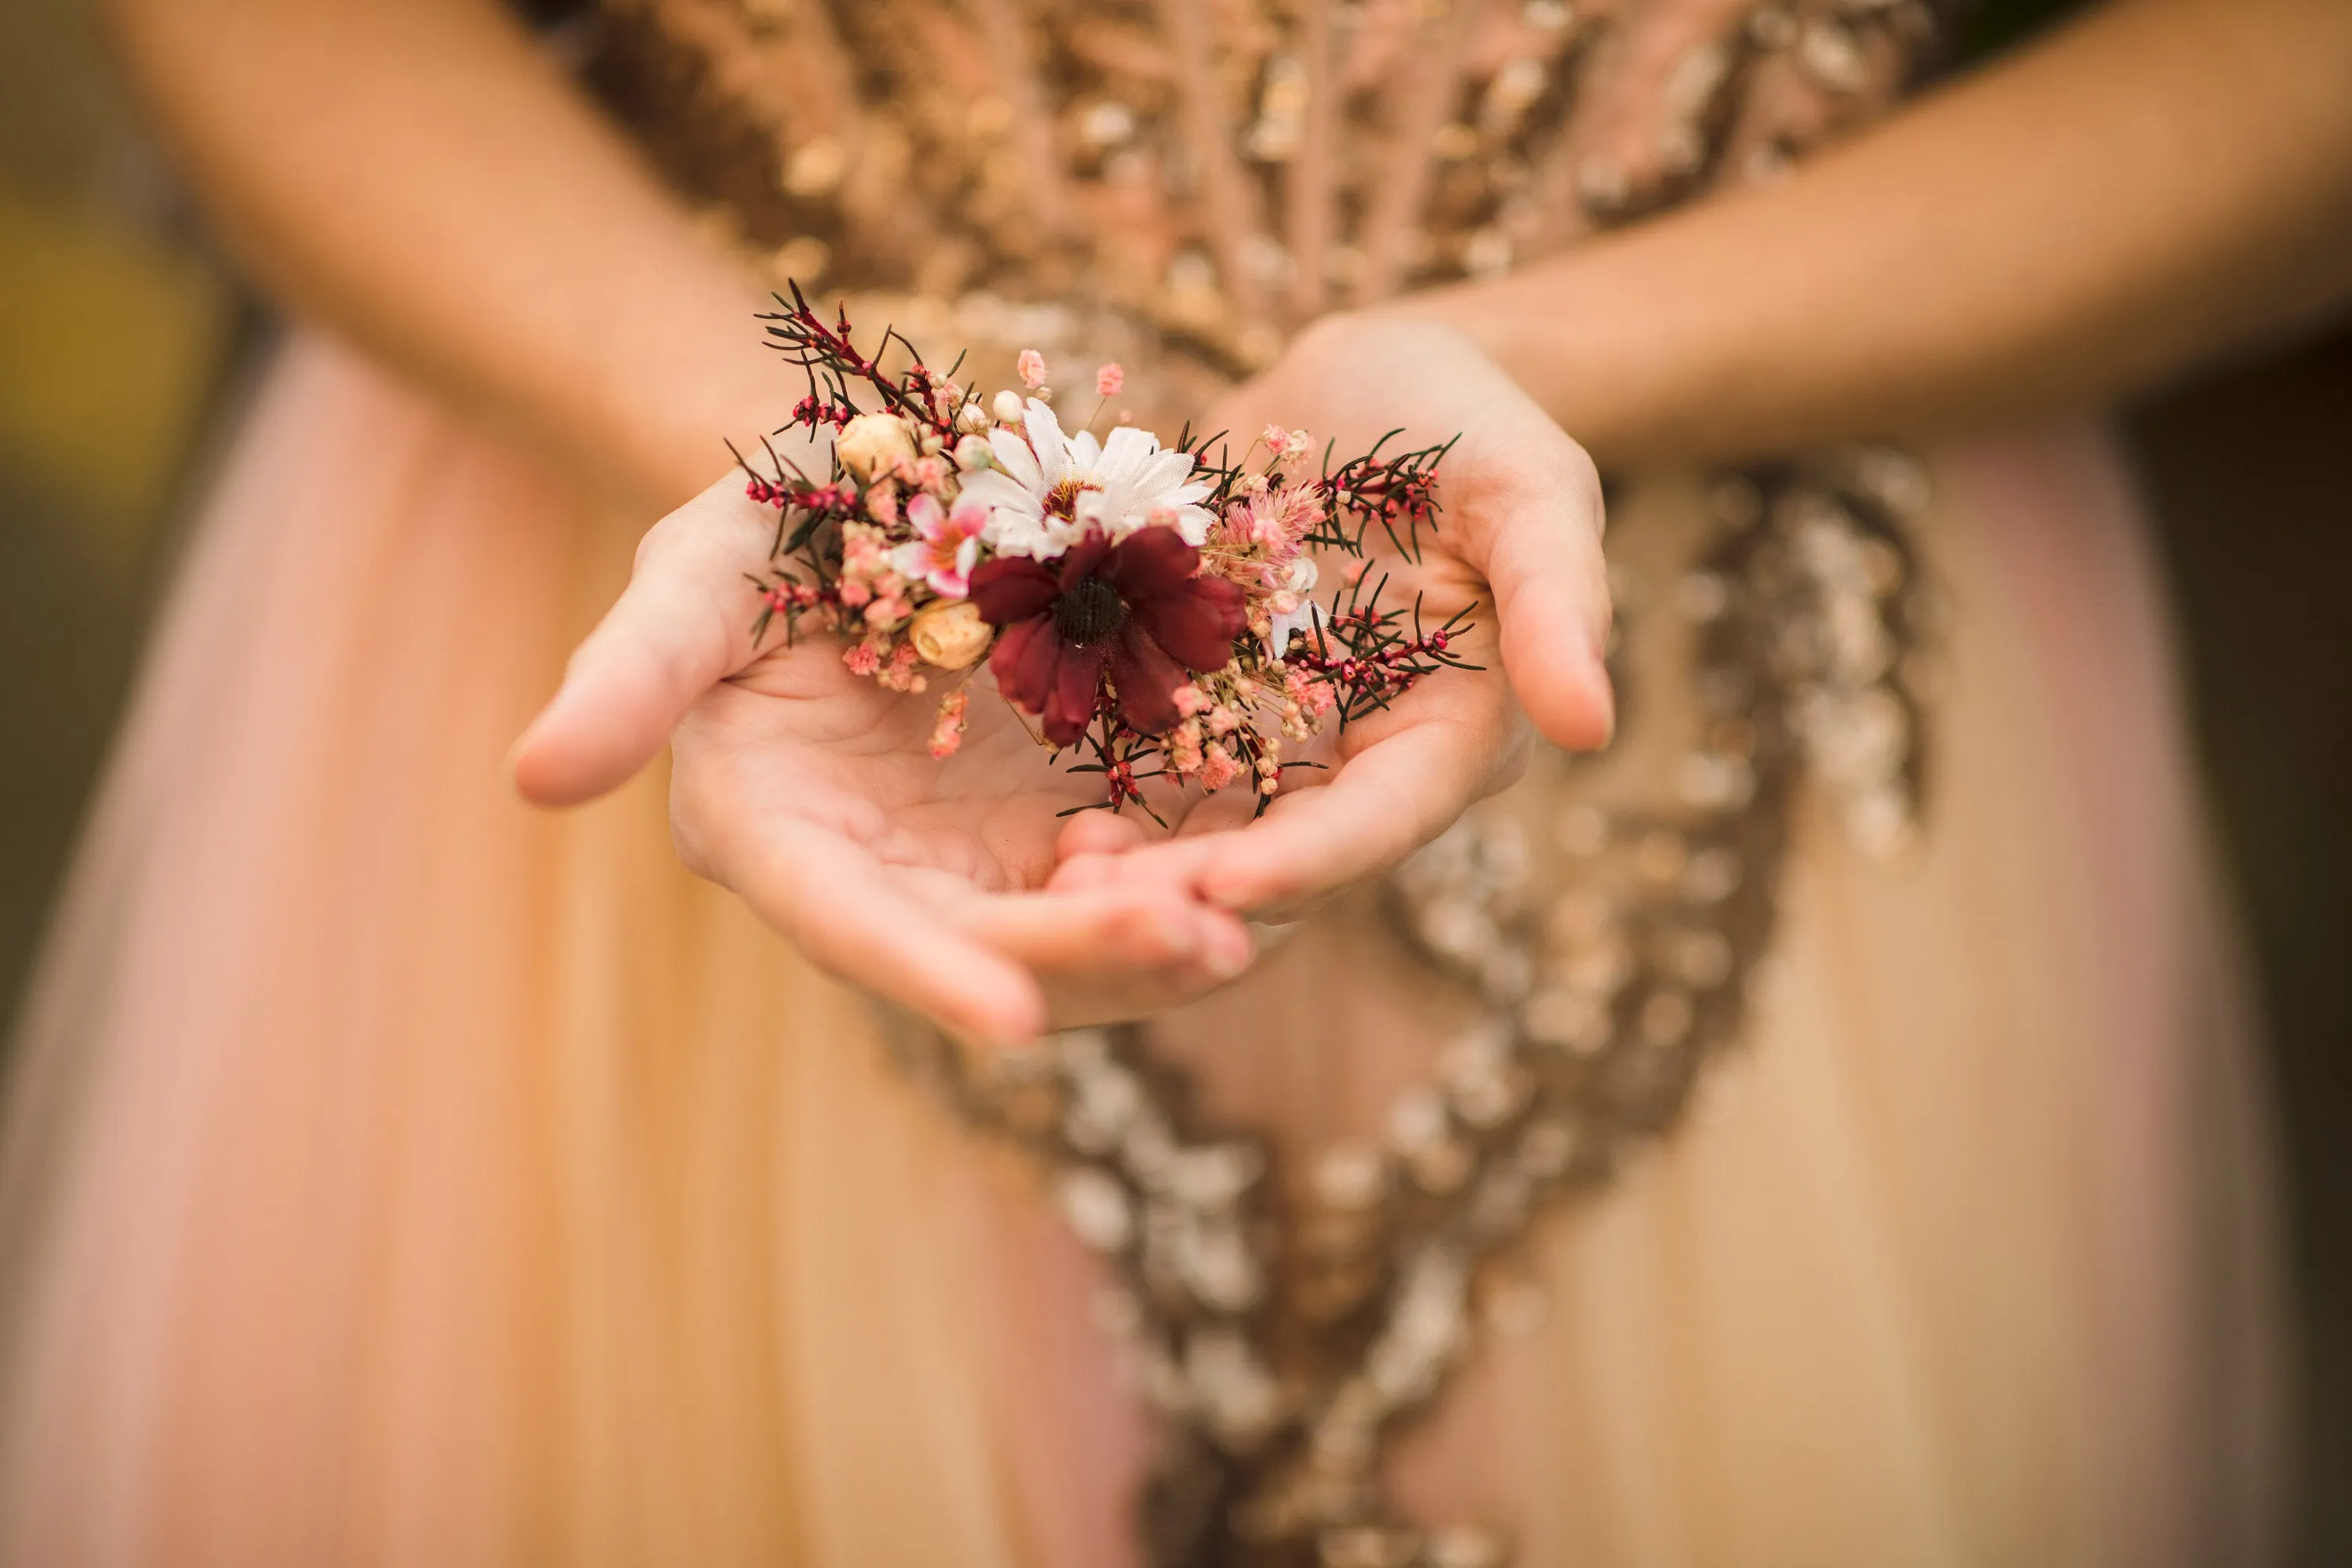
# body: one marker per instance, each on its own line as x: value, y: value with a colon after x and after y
x: 395, y: 1177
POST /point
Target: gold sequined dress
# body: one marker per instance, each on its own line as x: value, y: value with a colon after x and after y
x: 1819, y: 1131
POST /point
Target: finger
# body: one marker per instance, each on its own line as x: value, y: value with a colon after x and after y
x: 855, y: 916
x: 1113, y: 954
x: 681, y: 625
x: 1540, y: 555
x: 1097, y: 833
x: 1172, y: 861
x: 1386, y: 802
x: 1108, y: 934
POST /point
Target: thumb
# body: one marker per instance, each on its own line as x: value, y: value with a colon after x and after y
x: 1541, y: 557
x: 682, y: 626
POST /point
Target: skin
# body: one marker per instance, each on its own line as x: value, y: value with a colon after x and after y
x: 2158, y: 183
x: 1517, y: 546
x: 2164, y: 181
x: 811, y: 792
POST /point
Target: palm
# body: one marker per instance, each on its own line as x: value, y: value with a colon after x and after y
x: 966, y: 888
x: 811, y: 792
x: 796, y: 734
x: 1517, y: 552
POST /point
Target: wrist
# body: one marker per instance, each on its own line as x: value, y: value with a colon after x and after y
x: 1566, y: 333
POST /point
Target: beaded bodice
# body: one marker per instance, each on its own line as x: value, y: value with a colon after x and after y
x: 1177, y: 185
x: 1183, y: 182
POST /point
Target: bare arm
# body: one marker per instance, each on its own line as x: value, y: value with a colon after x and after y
x: 2161, y: 182
x: 416, y: 174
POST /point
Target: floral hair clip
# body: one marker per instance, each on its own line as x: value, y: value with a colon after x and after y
x: 1144, y: 606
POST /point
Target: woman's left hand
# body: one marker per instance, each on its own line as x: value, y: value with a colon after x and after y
x: 1518, y: 544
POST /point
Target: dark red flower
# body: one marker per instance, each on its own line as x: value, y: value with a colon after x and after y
x: 1138, y: 608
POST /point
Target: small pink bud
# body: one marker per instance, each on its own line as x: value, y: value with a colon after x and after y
x: 1109, y: 379
x: 1031, y: 366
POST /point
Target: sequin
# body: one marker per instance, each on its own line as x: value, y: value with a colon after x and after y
x: 1117, y: 180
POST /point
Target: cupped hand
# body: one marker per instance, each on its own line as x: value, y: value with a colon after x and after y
x: 813, y: 794
x: 1518, y: 545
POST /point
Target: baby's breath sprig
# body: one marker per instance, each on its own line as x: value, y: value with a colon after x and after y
x: 1155, y: 621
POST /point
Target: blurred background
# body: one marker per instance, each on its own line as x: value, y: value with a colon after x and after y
x: 124, y: 345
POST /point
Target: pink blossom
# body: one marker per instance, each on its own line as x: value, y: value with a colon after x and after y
x: 1109, y: 379
x: 1313, y: 695
x: 1218, y: 768
x: 948, y: 546
x: 1033, y: 369
x: 1276, y: 437
x: 902, y: 673
x: 947, y: 729
x: 1184, y: 749
x: 861, y: 658
x: 1191, y: 700
x: 1273, y: 523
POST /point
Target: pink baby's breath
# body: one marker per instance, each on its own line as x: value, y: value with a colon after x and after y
x: 898, y: 554
x: 947, y: 729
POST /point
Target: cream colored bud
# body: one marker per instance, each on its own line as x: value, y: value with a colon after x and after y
x: 950, y: 636
x: 972, y: 453
x: 1008, y: 408
x: 972, y: 418
x: 874, y: 444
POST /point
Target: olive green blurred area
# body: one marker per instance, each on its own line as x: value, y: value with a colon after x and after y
x: 124, y: 342
x: 116, y: 333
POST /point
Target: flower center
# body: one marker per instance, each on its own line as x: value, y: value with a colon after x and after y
x: 1062, y: 501
x: 1089, y: 612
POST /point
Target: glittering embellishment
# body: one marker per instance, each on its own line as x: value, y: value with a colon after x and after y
x: 1175, y: 186
x: 1613, y: 958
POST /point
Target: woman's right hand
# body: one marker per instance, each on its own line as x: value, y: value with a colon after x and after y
x: 812, y: 792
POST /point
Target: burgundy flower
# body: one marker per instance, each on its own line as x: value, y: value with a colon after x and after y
x: 1137, y: 607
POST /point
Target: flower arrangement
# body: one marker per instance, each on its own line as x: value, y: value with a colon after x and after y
x: 1141, y: 606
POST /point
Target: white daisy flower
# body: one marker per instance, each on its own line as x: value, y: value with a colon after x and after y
x: 1047, y: 491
